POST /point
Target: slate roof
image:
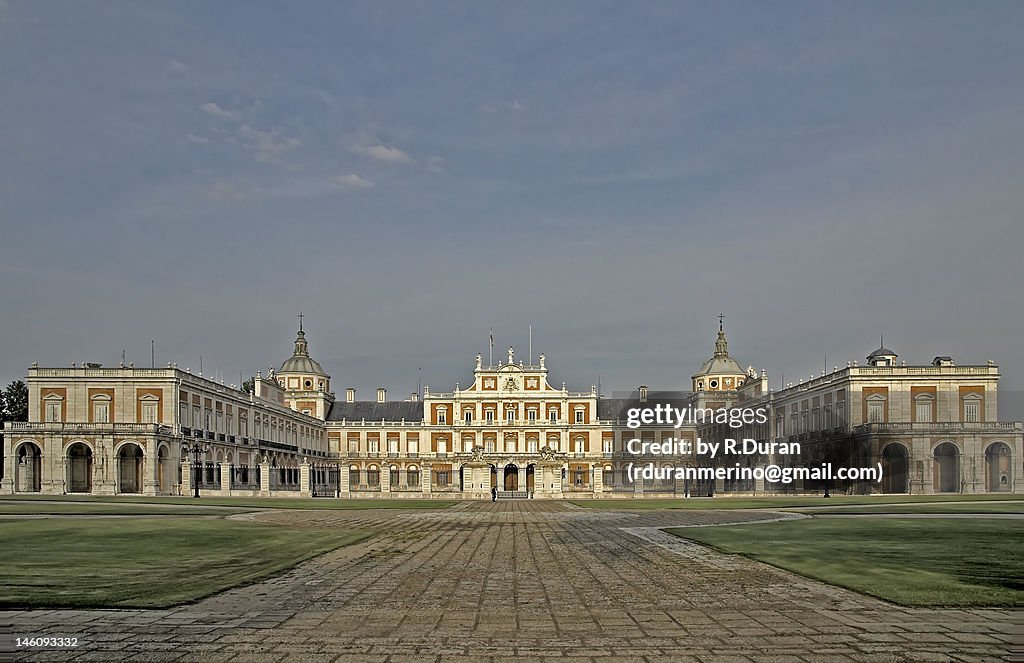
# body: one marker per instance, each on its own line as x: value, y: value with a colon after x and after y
x: 617, y: 408
x: 374, y: 411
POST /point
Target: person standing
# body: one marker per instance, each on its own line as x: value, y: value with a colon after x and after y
x: 494, y: 494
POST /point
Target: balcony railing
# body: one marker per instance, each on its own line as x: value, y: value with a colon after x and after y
x: 939, y: 426
x: 65, y: 427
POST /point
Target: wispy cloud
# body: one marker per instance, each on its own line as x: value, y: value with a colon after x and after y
x: 513, y: 105
x: 213, y: 109
x: 175, y: 67
x: 383, y: 153
x: 435, y: 165
x: 226, y: 191
x: 269, y: 144
x: 353, y: 181
x: 199, y: 140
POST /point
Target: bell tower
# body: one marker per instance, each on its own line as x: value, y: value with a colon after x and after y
x: 307, y: 387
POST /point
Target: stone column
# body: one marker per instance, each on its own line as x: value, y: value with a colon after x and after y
x: 150, y: 468
x: 305, y: 489
x: 186, y: 478
x: 343, y: 480
x: 10, y: 462
x: 264, y: 469
x: 225, y: 479
x: 426, y: 476
x: 385, y: 479
x: 598, y: 479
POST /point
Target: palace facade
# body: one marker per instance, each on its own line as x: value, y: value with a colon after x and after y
x: 166, y: 431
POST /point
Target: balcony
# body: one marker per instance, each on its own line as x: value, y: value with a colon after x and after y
x: 82, y: 428
x: 940, y: 427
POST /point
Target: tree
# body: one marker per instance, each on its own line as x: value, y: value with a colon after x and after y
x: 15, y: 402
x: 248, y: 386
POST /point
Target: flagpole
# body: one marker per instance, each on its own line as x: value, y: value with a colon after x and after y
x: 490, y: 354
x: 531, y: 345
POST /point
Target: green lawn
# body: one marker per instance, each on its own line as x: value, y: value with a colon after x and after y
x: 915, y: 562
x: 146, y: 562
x: 248, y: 503
x: 773, y: 502
x: 980, y: 507
x: 12, y: 508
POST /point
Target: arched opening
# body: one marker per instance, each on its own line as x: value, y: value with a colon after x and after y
x: 129, y: 469
x: 946, y: 468
x: 28, y: 473
x: 894, y: 468
x: 998, y: 468
x: 511, y: 477
x: 462, y: 477
x: 79, y: 468
x: 530, y: 472
x: 494, y: 476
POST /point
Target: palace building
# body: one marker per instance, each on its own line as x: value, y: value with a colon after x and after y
x: 166, y: 431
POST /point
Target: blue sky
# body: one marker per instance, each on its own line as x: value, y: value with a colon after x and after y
x: 411, y: 174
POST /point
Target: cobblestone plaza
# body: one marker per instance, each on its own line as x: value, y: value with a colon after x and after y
x: 528, y: 580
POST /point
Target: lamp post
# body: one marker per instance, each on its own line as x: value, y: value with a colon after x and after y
x: 196, y: 449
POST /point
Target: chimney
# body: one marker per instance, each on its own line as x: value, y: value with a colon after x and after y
x: 382, y: 394
x: 415, y: 397
x: 643, y: 393
x: 350, y: 395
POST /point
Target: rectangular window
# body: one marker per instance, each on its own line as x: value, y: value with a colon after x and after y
x: 53, y: 412
x: 553, y: 415
x: 531, y: 415
x: 442, y: 418
x: 489, y: 416
x: 972, y: 411
x: 510, y: 415
x: 469, y: 416
x: 149, y: 413
x: 923, y: 412
x: 579, y: 416
x: 876, y: 413
x: 101, y: 413
x: 608, y: 445
x: 414, y: 445
x: 183, y: 414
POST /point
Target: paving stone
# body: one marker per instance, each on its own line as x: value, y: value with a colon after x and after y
x: 516, y: 581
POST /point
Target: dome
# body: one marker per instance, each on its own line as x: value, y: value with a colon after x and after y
x: 300, y: 361
x: 720, y: 366
x: 720, y: 363
x: 882, y: 352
